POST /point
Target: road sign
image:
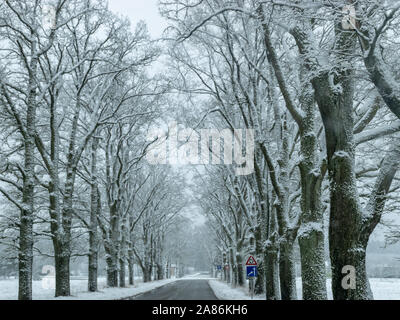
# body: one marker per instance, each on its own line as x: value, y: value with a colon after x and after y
x: 251, y: 272
x: 219, y: 267
x: 251, y: 261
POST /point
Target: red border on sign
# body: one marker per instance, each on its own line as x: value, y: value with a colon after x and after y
x: 250, y: 261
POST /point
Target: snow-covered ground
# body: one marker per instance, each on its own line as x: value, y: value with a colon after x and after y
x: 223, y: 291
x: 197, y: 276
x: 383, y: 289
x: 41, y: 290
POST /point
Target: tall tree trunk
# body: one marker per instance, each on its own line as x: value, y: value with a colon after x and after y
x: 312, y: 258
x: 287, y: 235
x: 25, y: 252
x: 334, y: 93
x: 147, y: 273
x: 271, y: 257
x: 63, y: 243
x: 225, y: 273
x: 131, y: 270
x: 262, y: 223
x: 240, y: 274
x: 94, y: 213
x: 160, y: 271
x: 312, y: 255
x: 228, y: 268
x: 112, y: 246
x: 92, y: 269
x: 336, y: 109
x: 112, y: 270
x: 260, y: 280
x: 287, y: 270
x: 112, y: 263
x: 122, y: 267
x: 167, y: 270
x: 112, y: 275
x: 123, y: 252
x: 25, y: 255
x: 272, y: 288
x: 311, y: 236
x: 62, y: 260
x: 232, y: 269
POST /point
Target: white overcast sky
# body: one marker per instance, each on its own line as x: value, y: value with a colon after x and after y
x: 136, y: 10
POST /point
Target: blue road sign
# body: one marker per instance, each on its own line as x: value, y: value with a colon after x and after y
x: 219, y: 267
x: 251, y: 271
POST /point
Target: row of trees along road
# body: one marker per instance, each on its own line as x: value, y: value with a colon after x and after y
x: 77, y: 99
x: 322, y: 98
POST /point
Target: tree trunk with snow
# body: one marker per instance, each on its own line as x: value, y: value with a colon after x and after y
x: 95, y: 203
x: 287, y: 234
x: 311, y: 236
x: 114, y: 239
x: 271, y: 260
x: 62, y: 258
x: 147, y: 270
x: 122, y: 254
x: 240, y: 274
x: 287, y: 271
x: 131, y: 270
x: 25, y: 252
x: 112, y: 266
x: 160, y: 271
x: 62, y: 242
x: 312, y: 243
x: 259, y: 287
x: 345, y: 241
x: 122, y: 270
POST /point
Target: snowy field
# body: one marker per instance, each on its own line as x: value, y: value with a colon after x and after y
x: 383, y: 289
x: 9, y: 290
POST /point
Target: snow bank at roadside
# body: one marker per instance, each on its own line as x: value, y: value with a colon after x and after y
x: 224, y: 291
x: 9, y: 290
x: 382, y: 289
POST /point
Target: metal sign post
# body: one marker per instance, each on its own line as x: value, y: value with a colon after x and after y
x: 251, y: 284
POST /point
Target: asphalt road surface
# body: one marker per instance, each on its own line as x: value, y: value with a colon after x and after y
x: 195, y: 289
